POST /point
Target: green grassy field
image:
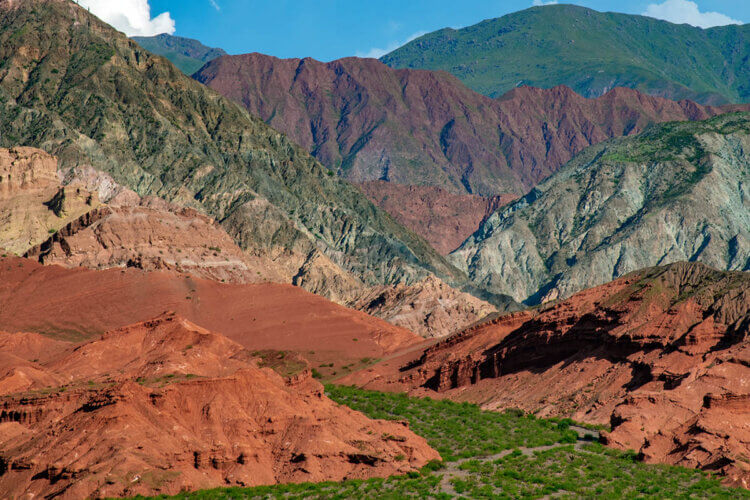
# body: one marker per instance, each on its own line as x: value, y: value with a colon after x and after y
x: 495, y: 455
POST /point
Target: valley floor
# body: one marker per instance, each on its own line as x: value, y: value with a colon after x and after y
x: 496, y: 455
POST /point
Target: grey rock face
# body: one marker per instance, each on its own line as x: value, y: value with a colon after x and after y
x: 677, y: 192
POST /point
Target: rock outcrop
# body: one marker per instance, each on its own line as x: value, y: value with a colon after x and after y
x: 429, y: 308
x: 676, y: 192
x: 165, y: 406
x: 366, y: 121
x: 33, y: 201
x: 661, y: 355
x: 154, y: 235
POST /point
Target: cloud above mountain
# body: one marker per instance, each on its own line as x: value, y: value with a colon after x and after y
x: 377, y: 53
x: 687, y: 12
x: 133, y: 17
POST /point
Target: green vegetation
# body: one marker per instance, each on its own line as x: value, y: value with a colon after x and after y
x: 505, y: 455
x: 588, y: 51
x: 456, y: 430
x: 187, y: 54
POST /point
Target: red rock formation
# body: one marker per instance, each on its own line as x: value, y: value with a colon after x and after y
x: 80, y: 303
x: 443, y: 218
x: 166, y: 406
x: 33, y: 202
x: 154, y: 235
x: 662, y: 355
x: 414, y: 127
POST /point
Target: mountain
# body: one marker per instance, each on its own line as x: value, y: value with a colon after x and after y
x: 165, y: 406
x: 443, y: 218
x: 589, y: 51
x: 367, y: 122
x: 677, y: 191
x: 94, y: 98
x: 187, y: 54
x: 660, y: 355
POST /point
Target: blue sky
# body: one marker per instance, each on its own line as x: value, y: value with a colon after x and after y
x: 330, y: 29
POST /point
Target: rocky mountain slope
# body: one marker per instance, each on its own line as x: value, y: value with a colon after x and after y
x: 443, y: 218
x: 33, y: 202
x: 150, y: 234
x: 589, y: 51
x: 187, y: 54
x: 676, y: 192
x: 165, y: 406
x: 429, y: 308
x: 367, y: 122
x: 661, y: 355
x: 95, y: 98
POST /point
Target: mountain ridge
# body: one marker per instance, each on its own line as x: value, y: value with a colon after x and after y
x: 93, y: 97
x: 589, y: 51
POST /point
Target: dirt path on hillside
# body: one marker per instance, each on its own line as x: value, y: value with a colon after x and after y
x: 453, y: 470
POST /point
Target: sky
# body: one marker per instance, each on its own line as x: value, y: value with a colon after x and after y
x: 331, y: 29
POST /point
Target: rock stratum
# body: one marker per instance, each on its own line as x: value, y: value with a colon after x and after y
x: 33, y: 201
x: 661, y: 355
x: 429, y: 308
x: 675, y: 192
x: 151, y: 234
x: 165, y: 406
x: 369, y: 122
x: 96, y: 99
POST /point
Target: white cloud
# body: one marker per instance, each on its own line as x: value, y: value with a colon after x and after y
x: 687, y: 12
x: 377, y: 53
x: 539, y: 3
x: 133, y: 17
x: 215, y: 5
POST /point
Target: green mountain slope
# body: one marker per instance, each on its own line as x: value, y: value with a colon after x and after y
x: 590, y: 52
x: 187, y: 54
x: 75, y: 87
x: 677, y: 192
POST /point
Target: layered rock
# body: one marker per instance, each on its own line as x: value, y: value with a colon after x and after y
x: 167, y: 406
x: 660, y: 355
x: 368, y: 122
x: 33, y: 201
x: 153, y: 235
x: 676, y: 192
x: 429, y: 308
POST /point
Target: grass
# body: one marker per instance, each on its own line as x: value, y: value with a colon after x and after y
x: 466, y: 437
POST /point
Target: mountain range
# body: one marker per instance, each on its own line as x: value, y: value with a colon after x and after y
x: 191, y: 242
x: 591, y: 52
x: 94, y: 98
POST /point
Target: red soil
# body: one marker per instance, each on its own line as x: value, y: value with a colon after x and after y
x: 76, y: 304
x: 165, y: 406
